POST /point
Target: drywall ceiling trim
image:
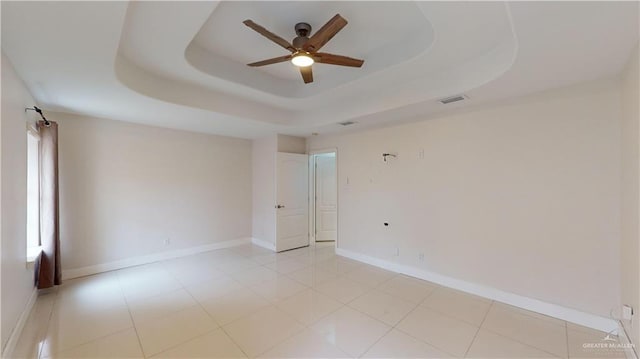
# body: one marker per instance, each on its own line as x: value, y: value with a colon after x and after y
x: 473, y: 74
x: 472, y: 52
x: 189, y: 95
x: 434, y: 73
x: 374, y: 33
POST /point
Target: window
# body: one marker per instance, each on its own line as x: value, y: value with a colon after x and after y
x: 33, y: 195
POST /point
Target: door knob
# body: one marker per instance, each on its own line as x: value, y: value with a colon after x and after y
x: 279, y: 206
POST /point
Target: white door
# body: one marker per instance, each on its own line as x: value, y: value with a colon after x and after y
x: 292, y: 196
x: 326, y: 198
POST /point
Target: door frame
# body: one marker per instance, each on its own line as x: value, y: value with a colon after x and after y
x: 312, y: 194
x: 276, y: 186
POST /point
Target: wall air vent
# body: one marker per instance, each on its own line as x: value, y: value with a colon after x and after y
x: 346, y: 123
x: 451, y: 99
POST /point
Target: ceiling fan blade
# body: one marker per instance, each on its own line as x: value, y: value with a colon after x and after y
x: 326, y: 32
x: 269, y: 35
x: 325, y: 58
x: 307, y: 74
x: 274, y: 60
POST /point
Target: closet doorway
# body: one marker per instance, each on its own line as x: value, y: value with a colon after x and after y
x: 324, y: 199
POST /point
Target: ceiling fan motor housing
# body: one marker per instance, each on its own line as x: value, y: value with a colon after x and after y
x: 302, y: 30
x: 299, y: 41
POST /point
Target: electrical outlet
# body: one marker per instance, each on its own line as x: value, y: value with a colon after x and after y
x: 627, y: 312
x: 421, y: 154
x: 421, y: 257
x: 167, y: 242
x: 397, y: 251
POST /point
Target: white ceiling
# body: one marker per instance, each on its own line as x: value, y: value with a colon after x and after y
x: 372, y: 33
x: 182, y: 64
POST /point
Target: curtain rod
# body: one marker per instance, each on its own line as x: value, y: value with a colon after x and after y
x: 39, y: 111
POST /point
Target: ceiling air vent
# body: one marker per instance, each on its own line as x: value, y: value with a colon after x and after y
x: 346, y: 123
x: 451, y: 99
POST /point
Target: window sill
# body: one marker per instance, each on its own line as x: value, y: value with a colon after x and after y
x: 33, y: 253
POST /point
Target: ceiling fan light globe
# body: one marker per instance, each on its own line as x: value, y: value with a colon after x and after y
x: 302, y: 60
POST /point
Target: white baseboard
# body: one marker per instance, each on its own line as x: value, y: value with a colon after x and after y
x: 7, y: 352
x: 263, y: 244
x: 136, y: 261
x: 606, y: 325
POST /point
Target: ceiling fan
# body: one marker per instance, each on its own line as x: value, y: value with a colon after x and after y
x: 304, y: 49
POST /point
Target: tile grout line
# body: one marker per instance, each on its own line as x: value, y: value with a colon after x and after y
x: 219, y: 327
x: 376, y: 342
x: 342, y: 304
x: 96, y: 338
x: 420, y: 306
x: 391, y: 327
x: 234, y: 342
x: 416, y: 338
x: 530, y: 345
x: 181, y: 287
x: 447, y: 314
x: 304, y: 325
x: 477, y: 331
x: 307, y: 264
x: 273, y: 304
x: 133, y: 322
x: 211, y: 317
x: 536, y: 315
x: 126, y: 302
x: 312, y: 264
x: 522, y: 343
x: 566, y: 334
x: 48, y: 324
x: 328, y: 314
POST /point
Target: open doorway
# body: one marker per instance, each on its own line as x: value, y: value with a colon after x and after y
x: 324, y: 198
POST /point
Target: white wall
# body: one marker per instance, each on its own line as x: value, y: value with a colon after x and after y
x: 126, y: 188
x: 631, y: 193
x: 522, y: 196
x: 264, y: 189
x: 17, y: 280
x: 292, y: 144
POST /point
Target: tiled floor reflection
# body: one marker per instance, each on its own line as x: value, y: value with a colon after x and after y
x: 249, y: 302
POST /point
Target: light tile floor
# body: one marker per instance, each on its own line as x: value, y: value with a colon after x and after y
x: 249, y: 302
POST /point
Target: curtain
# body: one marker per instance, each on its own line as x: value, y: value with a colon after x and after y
x: 48, y: 271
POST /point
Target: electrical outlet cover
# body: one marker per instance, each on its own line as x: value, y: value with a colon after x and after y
x: 627, y: 312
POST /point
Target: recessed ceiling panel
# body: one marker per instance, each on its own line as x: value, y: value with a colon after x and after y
x: 381, y: 33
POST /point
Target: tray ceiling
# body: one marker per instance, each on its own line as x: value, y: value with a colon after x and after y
x: 182, y: 64
x: 383, y: 33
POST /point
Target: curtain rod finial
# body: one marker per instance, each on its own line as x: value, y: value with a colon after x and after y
x: 39, y: 111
